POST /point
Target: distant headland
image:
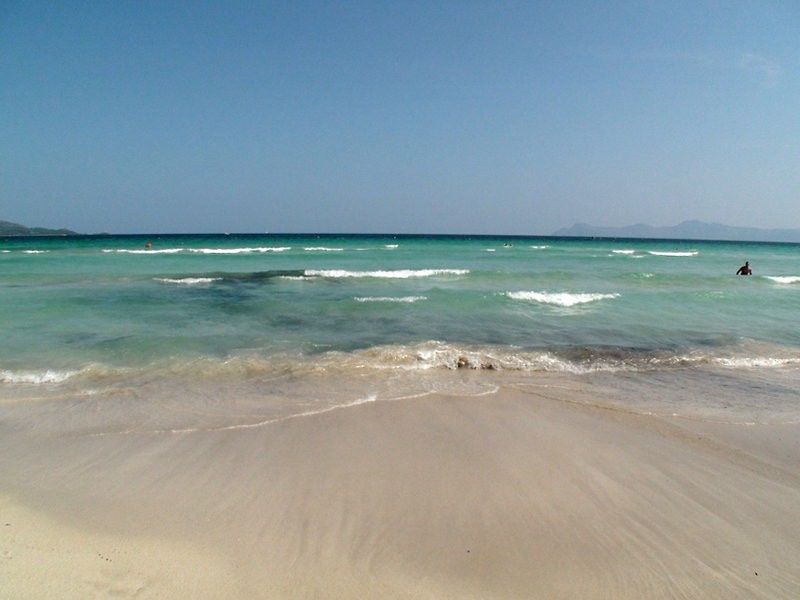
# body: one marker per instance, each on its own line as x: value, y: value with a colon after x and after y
x: 7, y: 228
x: 688, y: 230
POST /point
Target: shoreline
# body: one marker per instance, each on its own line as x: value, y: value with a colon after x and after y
x: 511, y: 495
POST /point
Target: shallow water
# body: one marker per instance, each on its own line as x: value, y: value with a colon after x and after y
x: 269, y: 315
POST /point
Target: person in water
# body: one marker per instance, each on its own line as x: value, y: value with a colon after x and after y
x: 745, y: 269
x: 148, y: 246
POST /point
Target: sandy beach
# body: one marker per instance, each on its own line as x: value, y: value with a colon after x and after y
x: 516, y: 494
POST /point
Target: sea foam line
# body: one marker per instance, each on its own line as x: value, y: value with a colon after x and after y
x: 408, y: 299
x: 307, y: 413
x: 768, y: 362
x: 188, y: 280
x: 125, y: 251
x: 660, y: 253
x: 322, y: 249
x: 784, y: 279
x: 260, y: 250
x: 623, y: 251
x: 559, y: 298
x: 35, y: 377
x: 396, y: 274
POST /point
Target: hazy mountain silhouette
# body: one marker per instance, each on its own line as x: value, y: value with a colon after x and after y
x: 9, y: 228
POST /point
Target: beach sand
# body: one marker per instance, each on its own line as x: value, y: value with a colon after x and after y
x: 518, y: 494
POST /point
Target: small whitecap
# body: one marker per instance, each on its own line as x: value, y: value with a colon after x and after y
x: 398, y: 274
x: 784, y: 279
x: 188, y: 280
x: 258, y: 250
x: 659, y: 253
x: 559, y: 298
x: 407, y: 299
x: 150, y: 251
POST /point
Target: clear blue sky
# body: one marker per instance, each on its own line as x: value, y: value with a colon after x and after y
x: 448, y: 117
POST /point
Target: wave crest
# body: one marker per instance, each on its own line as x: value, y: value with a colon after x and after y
x: 188, y: 280
x: 35, y: 377
x: 248, y: 250
x: 395, y: 274
x: 559, y: 298
x: 784, y: 279
x: 126, y: 251
x: 663, y: 253
x: 409, y: 299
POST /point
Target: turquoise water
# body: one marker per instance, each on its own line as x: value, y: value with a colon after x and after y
x: 71, y: 302
x: 218, y: 330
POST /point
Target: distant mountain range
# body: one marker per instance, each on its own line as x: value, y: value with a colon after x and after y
x: 9, y: 228
x: 688, y: 230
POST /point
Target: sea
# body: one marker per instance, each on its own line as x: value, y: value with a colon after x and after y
x: 239, y: 330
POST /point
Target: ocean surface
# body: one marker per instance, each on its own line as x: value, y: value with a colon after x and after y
x: 274, y: 319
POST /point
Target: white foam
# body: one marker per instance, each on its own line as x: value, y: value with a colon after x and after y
x: 162, y: 251
x: 188, y: 280
x: 787, y: 279
x: 322, y: 249
x: 623, y: 251
x: 490, y: 250
x: 436, y: 355
x: 397, y: 274
x: 36, y: 251
x: 46, y: 376
x: 688, y: 253
x: 756, y: 362
x: 240, y: 250
x: 540, y: 247
x: 559, y: 298
x: 5, y: 251
x: 389, y: 298
x: 391, y: 246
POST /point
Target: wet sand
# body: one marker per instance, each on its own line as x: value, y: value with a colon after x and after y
x: 513, y: 495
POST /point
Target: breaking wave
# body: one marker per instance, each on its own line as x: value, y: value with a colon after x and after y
x: 784, y: 279
x: 34, y: 377
x: 660, y: 253
x: 423, y: 356
x: 559, y: 298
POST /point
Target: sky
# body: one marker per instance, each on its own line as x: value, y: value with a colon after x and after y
x: 404, y: 117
